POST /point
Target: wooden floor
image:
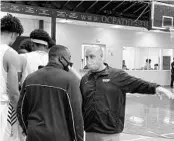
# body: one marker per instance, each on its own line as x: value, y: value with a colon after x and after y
x: 148, y: 118
x: 131, y: 137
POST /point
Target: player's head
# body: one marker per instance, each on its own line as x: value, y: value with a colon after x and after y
x: 25, y: 46
x: 60, y: 55
x: 40, y: 39
x: 11, y: 28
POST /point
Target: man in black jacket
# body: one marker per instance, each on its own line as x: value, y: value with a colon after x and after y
x: 104, y: 97
x: 172, y: 74
x: 49, y: 108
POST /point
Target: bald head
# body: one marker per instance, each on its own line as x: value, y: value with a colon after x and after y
x: 95, y: 50
x: 59, y: 54
x: 58, y: 51
x: 94, y: 58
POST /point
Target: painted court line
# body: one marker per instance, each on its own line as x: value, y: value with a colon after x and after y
x: 166, y: 135
x: 138, y: 139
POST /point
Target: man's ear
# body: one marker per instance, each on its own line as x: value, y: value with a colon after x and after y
x: 60, y: 58
x: 102, y: 56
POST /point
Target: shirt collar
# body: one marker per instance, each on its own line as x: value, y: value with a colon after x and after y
x: 55, y: 65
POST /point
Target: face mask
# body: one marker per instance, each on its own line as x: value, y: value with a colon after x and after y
x: 66, y: 64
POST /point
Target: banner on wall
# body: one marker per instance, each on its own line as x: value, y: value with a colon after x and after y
x: 39, y: 11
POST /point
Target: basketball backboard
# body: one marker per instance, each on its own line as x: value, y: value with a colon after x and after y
x: 162, y: 16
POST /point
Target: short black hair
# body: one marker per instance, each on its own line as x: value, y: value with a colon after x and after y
x: 26, y: 44
x: 40, y: 34
x: 148, y: 60
x: 10, y: 23
x: 57, y: 51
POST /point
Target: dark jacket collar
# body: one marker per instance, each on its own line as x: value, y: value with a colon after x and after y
x: 55, y: 65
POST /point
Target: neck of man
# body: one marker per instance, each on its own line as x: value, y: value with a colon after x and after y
x: 102, y: 67
x: 5, y: 40
x: 55, y: 63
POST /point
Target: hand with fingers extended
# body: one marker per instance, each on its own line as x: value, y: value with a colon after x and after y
x: 162, y: 91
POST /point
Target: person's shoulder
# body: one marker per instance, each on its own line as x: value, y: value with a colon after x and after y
x: 4, y: 46
x: 115, y: 70
x: 11, y: 54
x: 29, y: 55
x: 11, y: 51
x: 111, y: 70
x: 67, y: 75
x: 34, y: 76
x: 85, y: 76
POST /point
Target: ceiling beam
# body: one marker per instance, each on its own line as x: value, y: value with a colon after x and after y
x: 64, y: 4
x: 142, y: 12
x: 46, y: 3
x: 129, y: 7
x: 139, y: 8
x: 146, y: 12
x: 78, y: 5
x: 104, y: 6
x: 57, y: 5
x: 92, y: 6
x: 118, y: 5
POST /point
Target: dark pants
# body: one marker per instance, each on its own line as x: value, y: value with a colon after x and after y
x: 172, y: 79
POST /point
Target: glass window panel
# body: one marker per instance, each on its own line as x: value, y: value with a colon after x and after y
x: 154, y: 55
x: 143, y: 58
x: 128, y: 58
x: 140, y: 58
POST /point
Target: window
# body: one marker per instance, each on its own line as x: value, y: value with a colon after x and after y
x: 141, y: 58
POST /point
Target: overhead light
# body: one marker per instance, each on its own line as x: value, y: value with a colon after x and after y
x: 64, y: 21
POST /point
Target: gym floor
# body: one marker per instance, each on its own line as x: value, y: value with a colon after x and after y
x: 148, y: 118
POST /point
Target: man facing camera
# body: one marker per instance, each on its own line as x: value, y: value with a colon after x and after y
x: 104, y: 97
